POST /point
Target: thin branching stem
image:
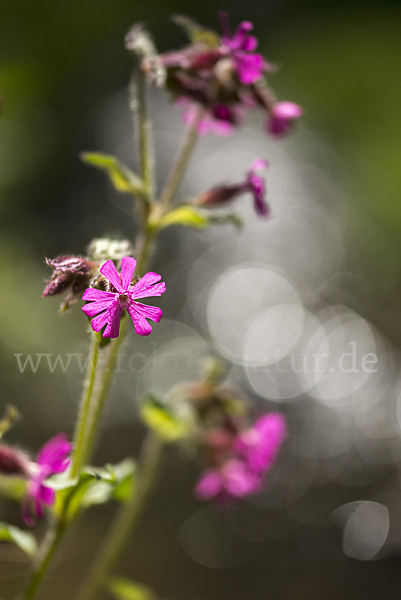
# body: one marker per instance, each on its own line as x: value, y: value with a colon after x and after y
x: 180, y: 165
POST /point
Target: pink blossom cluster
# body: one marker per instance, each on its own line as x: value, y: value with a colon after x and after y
x: 251, y: 455
x: 226, y: 79
x: 53, y: 459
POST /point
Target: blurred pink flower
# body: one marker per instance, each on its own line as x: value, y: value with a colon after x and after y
x: 252, y: 455
x: 108, y: 306
x: 53, y: 458
x: 230, y: 481
x: 220, y: 120
x: 253, y: 183
x: 281, y: 118
x: 260, y: 444
x: 249, y: 66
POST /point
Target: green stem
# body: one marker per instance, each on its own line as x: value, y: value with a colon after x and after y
x: 81, y: 428
x: 102, y: 385
x: 125, y: 521
x: 143, y: 132
x: 44, y: 558
x: 182, y: 160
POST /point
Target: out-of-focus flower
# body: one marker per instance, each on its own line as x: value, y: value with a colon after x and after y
x: 70, y: 273
x: 253, y: 184
x: 282, y: 118
x: 225, y: 77
x: 231, y: 481
x: 53, y: 459
x: 109, y: 305
x: 14, y: 461
x: 240, y: 462
x: 249, y: 66
x: 260, y: 444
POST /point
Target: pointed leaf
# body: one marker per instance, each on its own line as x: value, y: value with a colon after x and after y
x: 227, y: 218
x: 162, y: 420
x: 185, y: 215
x: 123, y: 179
x: 12, y: 487
x: 23, y: 539
x: 196, y: 32
x: 124, y: 589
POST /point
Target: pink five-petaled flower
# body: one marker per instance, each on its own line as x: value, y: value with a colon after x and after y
x: 282, y: 116
x: 53, y: 459
x: 260, y: 444
x: 249, y: 66
x: 231, y: 481
x: 108, y: 306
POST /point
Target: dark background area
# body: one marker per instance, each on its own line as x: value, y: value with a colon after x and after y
x: 60, y: 65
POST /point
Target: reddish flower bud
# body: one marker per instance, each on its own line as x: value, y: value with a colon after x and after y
x: 14, y: 462
x: 70, y: 273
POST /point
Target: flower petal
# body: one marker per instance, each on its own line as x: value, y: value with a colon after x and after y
x: 94, y: 308
x: 209, y: 485
x: 94, y: 294
x: 146, y: 288
x: 113, y: 326
x: 238, y: 481
x: 110, y: 272
x: 149, y: 312
x: 55, y: 454
x: 100, y: 321
x: 138, y: 313
x: 128, y: 265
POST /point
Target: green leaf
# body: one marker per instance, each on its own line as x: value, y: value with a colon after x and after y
x: 23, y: 539
x: 196, y: 32
x: 162, y: 420
x: 123, y: 179
x: 226, y: 218
x: 12, y: 487
x: 185, y: 215
x: 94, y: 486
x: 124, y: 589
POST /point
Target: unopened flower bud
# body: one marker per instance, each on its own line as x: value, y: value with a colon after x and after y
x: 102, y: 249
x: 218, y: 195
x: 70, y: 273
x: 13, y: 462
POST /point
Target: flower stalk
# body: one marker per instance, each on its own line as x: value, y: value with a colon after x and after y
x: 182, y: 160
x: 125, y: 520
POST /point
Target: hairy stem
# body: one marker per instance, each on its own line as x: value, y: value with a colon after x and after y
x: 43, y: 560
x: 125, y: 520
x: 102, y: 385
x: 81, y: 427
x: 182, y: 160
x: 143, y: 132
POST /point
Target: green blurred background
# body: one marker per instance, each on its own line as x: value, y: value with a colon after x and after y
x: 60, y: 63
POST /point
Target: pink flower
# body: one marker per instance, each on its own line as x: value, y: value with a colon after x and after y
x: 251, y: 456
x: 253, y: 183
x: 260, y: 444
x: 108, y: 306
x: 249, y: 66
x: 230, y: 481
x: 220, y: 120
x: 53, y: 458
x: 282, y: 116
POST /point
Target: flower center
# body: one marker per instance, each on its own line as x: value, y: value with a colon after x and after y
x: 123, y: 298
